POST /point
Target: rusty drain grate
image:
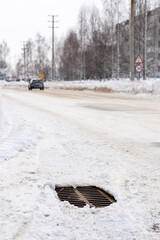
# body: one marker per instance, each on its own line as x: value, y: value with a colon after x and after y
x: 80, y: 196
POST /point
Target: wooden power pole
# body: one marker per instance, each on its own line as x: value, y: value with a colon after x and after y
x: 132, y: 71
x: 145, y: 42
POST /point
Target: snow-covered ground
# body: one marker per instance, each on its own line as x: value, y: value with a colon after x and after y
x: 1, y: 116
x: 124, y: 86
x: 47, y: 141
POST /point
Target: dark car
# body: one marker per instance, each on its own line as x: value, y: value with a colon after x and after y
x: 36, y: 83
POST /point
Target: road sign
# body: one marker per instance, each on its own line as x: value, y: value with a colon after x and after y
x: 139, y: 68
x: 41, y: 76
x: 138, y: 60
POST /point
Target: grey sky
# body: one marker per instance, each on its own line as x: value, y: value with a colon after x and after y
x: 22, y: 19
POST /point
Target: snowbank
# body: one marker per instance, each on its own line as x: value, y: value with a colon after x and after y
x: 151, y: 87
x: 4, y: 83
x: 125, y: 86
x: 0, y: 110
x: 16, y: 135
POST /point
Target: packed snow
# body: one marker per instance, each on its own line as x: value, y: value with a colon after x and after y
x: 124, y: 86
x: 1, y: 116
x: 40, y: 150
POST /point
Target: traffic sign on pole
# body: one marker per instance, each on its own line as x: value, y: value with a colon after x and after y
x: 139, y: 68
x: 41, y: 76
x: 138, y: 60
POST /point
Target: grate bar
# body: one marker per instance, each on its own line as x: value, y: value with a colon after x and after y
x: 81, y: 196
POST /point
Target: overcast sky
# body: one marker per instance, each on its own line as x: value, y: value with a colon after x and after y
x: 23, y: 19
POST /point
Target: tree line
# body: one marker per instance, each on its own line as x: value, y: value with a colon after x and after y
x: 98, y: 47
x: 4, y: 53
x: 35, y: 58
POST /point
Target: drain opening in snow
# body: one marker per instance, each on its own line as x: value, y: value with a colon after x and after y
x: 81, y: 196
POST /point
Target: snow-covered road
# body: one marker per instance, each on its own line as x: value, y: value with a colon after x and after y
x: 75, y: 138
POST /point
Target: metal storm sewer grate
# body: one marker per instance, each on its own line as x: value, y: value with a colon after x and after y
x: 80, y: 196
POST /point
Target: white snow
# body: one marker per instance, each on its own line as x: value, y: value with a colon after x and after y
x: 1, y: 116
x: 16, y: 134
x: 40, y: 150
x: 12, y: 83
x: 124, y: 86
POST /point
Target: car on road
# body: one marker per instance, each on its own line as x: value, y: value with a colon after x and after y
x: 36, y: 83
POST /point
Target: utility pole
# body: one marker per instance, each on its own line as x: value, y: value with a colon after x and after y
x: 118, y: 42
x: 145, y: 42
x: 24, y: 59
x: 132, y: 74
x: 53, y: 27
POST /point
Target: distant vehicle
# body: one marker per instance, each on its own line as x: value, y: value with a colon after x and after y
x: 36, y: 83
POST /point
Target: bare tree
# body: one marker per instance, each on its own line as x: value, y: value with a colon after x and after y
x: 69, y: 58
x: 19, y: 68
x: 4, y: 52
x: 83, y: 39
x: 30, y: 48
x: 95, y: 42
x: 37, y: 60
x: 41, y: 60
x: 104, y: 42
x: 115, y: 12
